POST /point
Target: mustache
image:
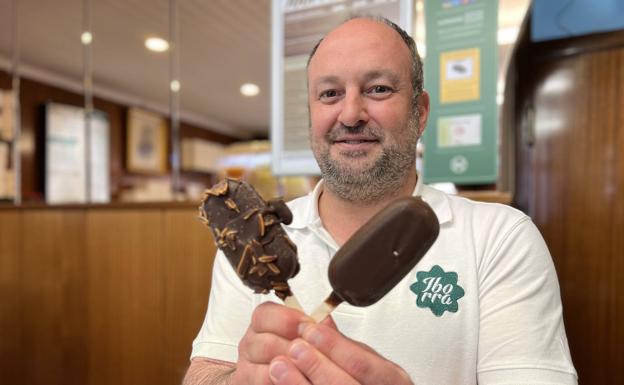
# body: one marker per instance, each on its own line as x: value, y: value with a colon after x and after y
x: 362, y: 129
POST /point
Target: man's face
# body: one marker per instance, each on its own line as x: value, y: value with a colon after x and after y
x: 363, y: 131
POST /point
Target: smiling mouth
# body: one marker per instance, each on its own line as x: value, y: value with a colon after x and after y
x: 356, y: 141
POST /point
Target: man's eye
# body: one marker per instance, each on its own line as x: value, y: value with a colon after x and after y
x: 380, y: 90
x: 328, y: 95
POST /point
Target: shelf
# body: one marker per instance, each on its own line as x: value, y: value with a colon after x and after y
x: 492, y: 196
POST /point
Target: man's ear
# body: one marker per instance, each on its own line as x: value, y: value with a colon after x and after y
x: 423, y: 112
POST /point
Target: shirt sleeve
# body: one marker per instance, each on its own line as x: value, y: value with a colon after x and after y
x: 522, y: 337
x: 228, y: 315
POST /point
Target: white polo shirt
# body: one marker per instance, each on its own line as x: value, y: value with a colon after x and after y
x: 482, y: 306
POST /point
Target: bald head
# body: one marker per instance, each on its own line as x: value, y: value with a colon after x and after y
x: 380, y: 28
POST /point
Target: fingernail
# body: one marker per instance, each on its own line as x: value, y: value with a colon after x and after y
x: 302, y: 326
x: 298, y: 350
x: 278, y: 370
x: 314, y: 337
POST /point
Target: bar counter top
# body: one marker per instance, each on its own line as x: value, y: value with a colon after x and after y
x: 483, y: 196
x: 99, y: 206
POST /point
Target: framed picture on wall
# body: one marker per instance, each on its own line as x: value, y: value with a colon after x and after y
x: 146, y: 150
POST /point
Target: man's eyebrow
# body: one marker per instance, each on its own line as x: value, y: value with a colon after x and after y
x: 326, y: 79
x: 377, y: 74
x: 394, y: 79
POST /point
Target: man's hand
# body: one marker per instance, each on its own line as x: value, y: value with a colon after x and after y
x: 273, y: 327
x: 323, y: 356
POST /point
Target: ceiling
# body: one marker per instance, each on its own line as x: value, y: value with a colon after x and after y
x: 223, y: 44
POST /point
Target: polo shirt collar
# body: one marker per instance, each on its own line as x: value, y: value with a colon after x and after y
x: 438, y: 200
x: 309, y: 214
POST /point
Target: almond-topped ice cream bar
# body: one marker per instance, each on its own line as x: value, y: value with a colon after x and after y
x: 247, y: 229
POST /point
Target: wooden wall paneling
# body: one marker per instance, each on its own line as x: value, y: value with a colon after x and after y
x: 617, y: 228
x: 11, y: 353
x: 572, y: 253
x: 560, y: 170
x: 601, y: 111
x: 52, y: 297
x: 571, y: 184
x: 75, y: 319
x: 594, y: 337
x: 188, y: 254
x: 549, y: 157
x: 607, y: 72
x: 5, y: 81
x: 125, y: 296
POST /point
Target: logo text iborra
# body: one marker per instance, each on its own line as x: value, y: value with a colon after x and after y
x: 435, y: 291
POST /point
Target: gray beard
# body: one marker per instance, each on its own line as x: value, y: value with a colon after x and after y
x: 382, y: 180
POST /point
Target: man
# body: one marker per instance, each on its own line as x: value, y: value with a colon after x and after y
x: 482, y: 306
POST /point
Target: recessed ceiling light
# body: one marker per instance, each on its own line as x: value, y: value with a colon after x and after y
x: 175, y: 86
x: 156, y: 44
x: 249, y: 89
x: 86, y: 38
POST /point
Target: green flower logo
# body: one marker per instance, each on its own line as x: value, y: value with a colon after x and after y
x: 437, y: 290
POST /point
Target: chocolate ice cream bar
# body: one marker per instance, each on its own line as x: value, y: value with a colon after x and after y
x: 380, y: 254
x: 247, y: 229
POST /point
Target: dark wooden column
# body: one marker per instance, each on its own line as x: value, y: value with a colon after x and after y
x: 568, y: 121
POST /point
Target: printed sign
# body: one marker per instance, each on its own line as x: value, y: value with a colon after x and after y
x: 462, y: 130
x: 297, y: 26
x: 460, y: 75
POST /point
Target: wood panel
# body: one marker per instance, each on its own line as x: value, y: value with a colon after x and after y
x: 571, y: 181
x: 101, y: 295
x: 51, y: 299
x: 10, y: 317
x: 575, y: 199
x: 188, y: 254
x: 124, y: 248
x: 5, y: 81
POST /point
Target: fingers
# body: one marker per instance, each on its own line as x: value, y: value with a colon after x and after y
x: 272, y: 328
x: 306, y: 365
x: 271, y: 352
x: 262, y: 348
x: 329, y: 321
x: 277, y: 319
x: 282, y: 371
x: 358, y: 360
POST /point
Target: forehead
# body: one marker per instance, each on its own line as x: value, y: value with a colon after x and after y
x: 361, y: 45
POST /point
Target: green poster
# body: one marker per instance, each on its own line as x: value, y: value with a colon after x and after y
x: 461, y: 69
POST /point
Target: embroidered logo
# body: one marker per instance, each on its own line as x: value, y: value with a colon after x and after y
x: 437, y: 290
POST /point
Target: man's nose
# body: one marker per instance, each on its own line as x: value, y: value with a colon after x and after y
x: 353, y: 111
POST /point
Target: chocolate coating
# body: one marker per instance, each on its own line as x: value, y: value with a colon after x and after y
x: 247, y: 229
x: 382, y: 252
